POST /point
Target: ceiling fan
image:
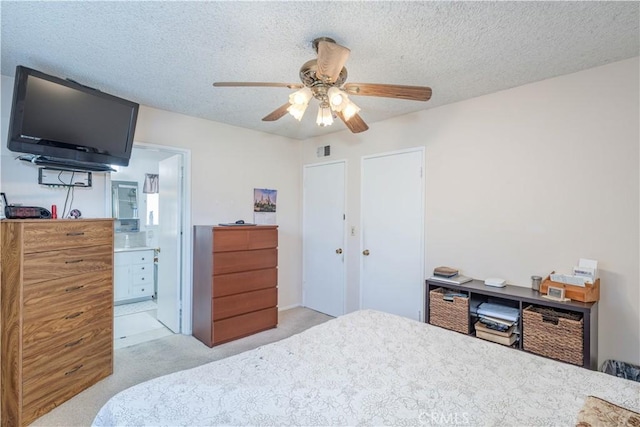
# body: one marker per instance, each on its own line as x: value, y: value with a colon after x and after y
x: 324, y: 79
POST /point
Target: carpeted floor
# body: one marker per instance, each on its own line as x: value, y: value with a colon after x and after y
x: 152, y: 359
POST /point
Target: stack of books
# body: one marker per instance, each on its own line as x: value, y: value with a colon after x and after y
x: 445, y: 272
x: 497, y: 323
x: 449, y: 275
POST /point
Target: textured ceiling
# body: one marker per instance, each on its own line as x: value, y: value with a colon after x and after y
x: 167, y: 54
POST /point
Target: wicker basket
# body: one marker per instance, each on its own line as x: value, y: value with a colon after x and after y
x: 553, y: 334
x: 452, y: 315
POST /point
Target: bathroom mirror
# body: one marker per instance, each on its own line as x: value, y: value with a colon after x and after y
x: 124, y: 199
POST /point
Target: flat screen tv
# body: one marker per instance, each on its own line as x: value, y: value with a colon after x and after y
x: 62, y: 122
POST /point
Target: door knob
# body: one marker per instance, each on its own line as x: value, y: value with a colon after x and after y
x: 366, y: 252
x: 339, y: 250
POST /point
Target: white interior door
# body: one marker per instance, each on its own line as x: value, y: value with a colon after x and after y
x: 169, y: 182
x: 392, y: 233
x: 323, y: 238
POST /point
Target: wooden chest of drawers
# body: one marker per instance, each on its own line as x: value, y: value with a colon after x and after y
x: 57, y: 313
x: 235, y: 280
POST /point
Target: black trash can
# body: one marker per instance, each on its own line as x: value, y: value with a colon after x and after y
x: 621, y: 369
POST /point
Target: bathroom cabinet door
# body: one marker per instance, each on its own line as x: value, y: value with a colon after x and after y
x: 121, y: 277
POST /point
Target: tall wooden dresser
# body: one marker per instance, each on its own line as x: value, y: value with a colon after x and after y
x: 57, y: 312
x: 235, y: 280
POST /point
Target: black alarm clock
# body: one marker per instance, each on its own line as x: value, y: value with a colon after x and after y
x: 25, y: 212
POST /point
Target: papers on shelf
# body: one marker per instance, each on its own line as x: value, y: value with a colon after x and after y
x: 568, y: 279
x: 498, y: 311
x: 587, y: 268
x: 585, y: 272
x: 456, y: 280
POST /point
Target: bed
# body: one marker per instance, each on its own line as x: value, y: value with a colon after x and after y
x: 370, y: 368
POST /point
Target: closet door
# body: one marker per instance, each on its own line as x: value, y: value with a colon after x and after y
x: 324, y: 237
x: 392, y: 248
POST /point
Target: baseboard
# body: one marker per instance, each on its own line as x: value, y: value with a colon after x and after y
x: 289, y: 307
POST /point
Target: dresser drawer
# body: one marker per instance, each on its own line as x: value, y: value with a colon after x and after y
x: 235, y: 305
x: 62, y: 234
x: 141, y: 257
x: 141, y: 291
x: 142, y: 268
x: 227, y: 239
x: 245, y: 281
x: 42, y: 394
x: 46, y: 295
x: 43, y: 360
x: 43, y: 266
x: 243, y: 325
x: 37, y: 349
x: 46, y: 323
x: 232, y: 262
x: 142, y: 279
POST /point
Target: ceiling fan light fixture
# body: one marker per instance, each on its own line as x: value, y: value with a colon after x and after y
x: 323, y: 78
x: 297, y: 110
x: 350, y: 110
x: 299, y: 101
x: 300, y: 97
x: 325, y: 118
x: 337, y: 99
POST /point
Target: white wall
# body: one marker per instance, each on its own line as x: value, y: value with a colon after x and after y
x: 227, y: 163
x: 523, y: 182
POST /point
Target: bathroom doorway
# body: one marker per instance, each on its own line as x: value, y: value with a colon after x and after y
x: 160, y: 306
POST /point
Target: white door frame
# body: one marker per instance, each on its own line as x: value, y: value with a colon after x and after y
x: 344, y: 230
x: 421, y: 226
x: 186, y: 291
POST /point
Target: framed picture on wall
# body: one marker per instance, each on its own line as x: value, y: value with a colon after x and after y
x: 264, y: 206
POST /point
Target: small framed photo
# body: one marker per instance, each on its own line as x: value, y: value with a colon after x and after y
x: 555, y: 293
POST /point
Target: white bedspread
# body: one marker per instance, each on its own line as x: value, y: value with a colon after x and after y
x: 370, y: 368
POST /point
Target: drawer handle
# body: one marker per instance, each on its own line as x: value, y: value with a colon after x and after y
x: 73, y: 370
x: 76, y: 233
x: 74, y: 315
x: 71, y: 344
x: 74, y: 288
x: 75, y: 261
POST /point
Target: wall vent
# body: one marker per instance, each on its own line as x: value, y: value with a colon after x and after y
x: 323, y: 151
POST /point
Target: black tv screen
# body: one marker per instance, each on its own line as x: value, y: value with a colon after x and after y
x: 61, y: 119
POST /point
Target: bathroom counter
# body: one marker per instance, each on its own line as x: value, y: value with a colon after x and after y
x: 134, y: 248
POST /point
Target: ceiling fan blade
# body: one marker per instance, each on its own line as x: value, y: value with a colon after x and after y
x: 355, y: 123
x: 257, y: 84
x: 412, y: 93
x: 331, y: 59
x: 277, y: 113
